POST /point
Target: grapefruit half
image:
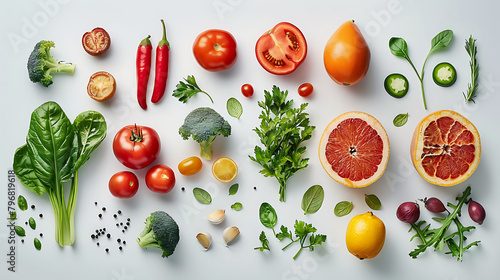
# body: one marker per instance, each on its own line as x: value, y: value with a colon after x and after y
x: 354, y: 149
x: 445, y: 148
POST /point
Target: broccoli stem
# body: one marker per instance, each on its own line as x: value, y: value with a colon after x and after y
x: 206, y: 148
x: 148, y: 240
x: 54, y: 66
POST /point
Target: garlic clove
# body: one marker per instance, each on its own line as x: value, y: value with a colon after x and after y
x: 217, y: 217
x: 205, y: 239
x: 230, y: 234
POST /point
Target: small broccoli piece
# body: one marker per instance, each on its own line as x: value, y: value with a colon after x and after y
x: 160, y: 231
x: 41, y: 64
x: 203, y: 125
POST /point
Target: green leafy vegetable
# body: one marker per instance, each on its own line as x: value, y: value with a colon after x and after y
x: 264, y: 242
x: 302, y: 231
x: 237, y: 206
x: 233, y: 189
x: 184, y: 91
x: 41, y: 64
x: 37, y: 243
x: 202, y: 196
x: 438, y: 237
x: 313, y: 199
x: 400, y: 120
x: 343, y: 208
x: 160, y: 231
x: 373, y: 202
x: 32, y: 223
x: 234, y: 107
x: 54, y: 151
x: 399, y: 47
x: 267, y: 215
x: 282, y: 131
x: 470, y: 47
x: 22, y: 203
x: 20, y: 231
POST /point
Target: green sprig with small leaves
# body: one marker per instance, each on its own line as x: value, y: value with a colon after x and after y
x: 470, y: 47
x: 184, y: 91
x: 264, y: 242
x: 302, y: 231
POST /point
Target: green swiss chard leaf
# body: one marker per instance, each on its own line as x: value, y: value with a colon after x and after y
x: 91, y: 129
x: 267, y: 215
x: 25, y: 172
x: 313, y: 199
x: 52, y: 144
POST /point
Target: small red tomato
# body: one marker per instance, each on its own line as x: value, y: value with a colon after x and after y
x: 305, y: 89
x: 136, y: 146
x: 215, y: 50
x: 160, y: 178
x: 247, y: 90
x: 123, y: 184
x: 190, y: 166
x: 96, y: 42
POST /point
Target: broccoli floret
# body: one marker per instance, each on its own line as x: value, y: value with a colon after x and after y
x: 203, y: 125
x: 41, y: 64
x: 160, y: 231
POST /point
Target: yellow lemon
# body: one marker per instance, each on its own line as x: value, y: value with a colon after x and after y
x: 365, y: 236
x: 224, y: 169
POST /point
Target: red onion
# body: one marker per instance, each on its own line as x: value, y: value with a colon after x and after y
x: 434, y: 205
x: 476, y: 212
x: 408, y: 212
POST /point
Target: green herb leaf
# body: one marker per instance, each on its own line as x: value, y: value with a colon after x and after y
x: 400, y: 120
x: 32, y: 223
x: 233, y: 189
x: 264, y: 241
x: 202, y: 196
x: 399, y: 47
x: 470, y: 47
x: 234, y: 107
x: 184, y: 91
x: 38, y: 244
x: 237, y: 206
x: 373, y: 201
x: 22, y: 203
x: 19, y: 231
x: 441, y: 40
x: 284, y: 233
x: 343, y: 208
x: 13, y: 215
x: 302, y: 231
x: 267, y: 215
x: 313, y: 199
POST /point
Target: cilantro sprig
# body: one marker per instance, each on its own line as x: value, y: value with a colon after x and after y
x: 184, y: 91
x: 302, y: 231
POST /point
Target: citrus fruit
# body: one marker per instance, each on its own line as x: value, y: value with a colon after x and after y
x: 354, y: 149
x: 346, y: 55
x: 224, y: 169
x: 445, y: 148
x: 365, y: 236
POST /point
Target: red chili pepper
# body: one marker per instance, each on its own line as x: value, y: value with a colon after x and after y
x: 143, y: 65
x: 162, y: 55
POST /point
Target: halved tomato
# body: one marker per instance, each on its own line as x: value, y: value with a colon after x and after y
x: 282, y: 49
x: 96, y: 42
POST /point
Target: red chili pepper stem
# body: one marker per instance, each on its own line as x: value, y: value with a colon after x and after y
x: 161, y: 74
x: 143, y: 67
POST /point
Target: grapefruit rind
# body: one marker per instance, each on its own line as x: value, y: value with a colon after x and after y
x: 375, y: 124
x: 417, y: 145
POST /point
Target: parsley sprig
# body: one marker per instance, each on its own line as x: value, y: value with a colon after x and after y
x: 282, y: 130
x: 264, y: 242
x: 184, y: 91
x: 302, y: 231
x: 470, y: 47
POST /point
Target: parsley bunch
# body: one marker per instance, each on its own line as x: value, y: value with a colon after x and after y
x: 282, y: 131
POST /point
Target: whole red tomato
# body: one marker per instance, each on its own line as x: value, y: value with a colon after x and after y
x: 282, y: 49
x: 160, y: 178
x: 136, y: 146
x: 123, y: 184
x: 215, y: 50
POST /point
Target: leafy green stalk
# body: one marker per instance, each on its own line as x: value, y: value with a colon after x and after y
x: 184, y: 91
x: 302, y: 231
x: 470, y: 47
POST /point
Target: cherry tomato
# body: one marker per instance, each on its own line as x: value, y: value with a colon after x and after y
x: 215, y: 50
x: 160, y: 178
x: 136, y: 146
x: 96, y: 42
x: 101, y: 86
x: 282, y: 49
x: 123, y: 184
x: 190, y: 166
x: 247, y: 90
x: 305, y: 89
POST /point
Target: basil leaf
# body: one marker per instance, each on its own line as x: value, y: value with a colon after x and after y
x: 202, y: 196
x: 441, y: 40
x: 400, y: 120
x: 373, y: 201
x: 313, y: 199
x: 23, y: 168
x: 22, y: 203
x: 91, y: 128
x: 233, y: 189
x: 32, y: 223
x: 399, y: 47
x: 237, y: 206
x: 267, y: 215
x: 343, y: 208
x: 19, y: 231
x: 37, y: 243
x: 234, y: 107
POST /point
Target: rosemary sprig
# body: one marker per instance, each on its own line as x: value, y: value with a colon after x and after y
x: 470, y: 47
